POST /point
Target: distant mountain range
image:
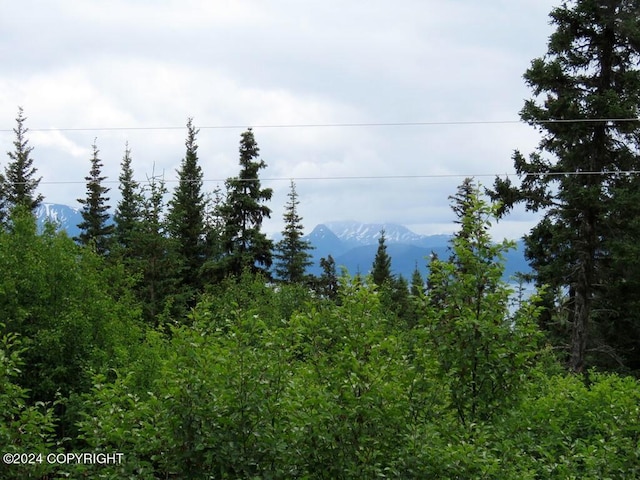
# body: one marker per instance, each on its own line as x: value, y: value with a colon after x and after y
x: 352, y: 244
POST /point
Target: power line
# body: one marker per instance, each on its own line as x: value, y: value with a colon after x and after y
x: 367, y: 177
x: 335, y: 125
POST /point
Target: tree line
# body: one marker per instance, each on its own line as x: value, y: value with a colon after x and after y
x: 197, y: 238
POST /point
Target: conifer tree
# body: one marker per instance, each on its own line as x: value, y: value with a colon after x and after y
x: 20, y: 184
x: 158, y: 263
x: 328, y: 284
x: 585, y: 89
x: 95, y: 226
x: 292, y: 252
x: 415, y: 303
x: 186, y: 215
x: 245, y: 247
x: 398, y: 296
x: 417, y: 282
x: 381, y: 272
x: 128, y: 214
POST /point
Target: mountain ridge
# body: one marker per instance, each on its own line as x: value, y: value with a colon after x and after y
x: 352, y: 244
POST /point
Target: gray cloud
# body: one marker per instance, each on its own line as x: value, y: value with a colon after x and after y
x: 133, y: 63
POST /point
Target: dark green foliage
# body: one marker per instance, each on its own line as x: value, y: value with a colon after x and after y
x: 142, y: 245
x: 73, y: 312
x: 19, y: 182
x: 129, y: 211
x: 185, y: 219
x: 23, y: 428
x: 244, y: 245
x: 327, y: 284
x: 617, y: 321
x: 96, y: 230
x: 158, y: 264
x: 417, y: 283
x: 400, y: 300
x: 588, y: 76
x: 414, y: 308
x: 292, y: 253
x: 381, y: 271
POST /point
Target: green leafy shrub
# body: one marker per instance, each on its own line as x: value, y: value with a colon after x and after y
x: 24, y: 429
x: 567, y: 428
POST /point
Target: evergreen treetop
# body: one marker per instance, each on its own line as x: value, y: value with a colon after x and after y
x: 20, y: 184
x: 185, y: 219
x: 292, y: 252
x: 128, y: 214
x: 381, y: 272
x: 95, y: 226
x: 244, y: 245
x: 328, y: 283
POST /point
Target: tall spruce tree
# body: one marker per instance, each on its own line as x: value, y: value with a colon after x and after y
x: 585, y: 89
x: 381, y: 271
x: 185, y: 218
x: 95, y: 227
x: 19, y: 180
x: 129, y: 211
x: 245, y: 247
x: 292, y: 252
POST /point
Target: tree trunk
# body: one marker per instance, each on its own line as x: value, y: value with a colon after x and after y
x: 582, y: 307
x: 584, y: 286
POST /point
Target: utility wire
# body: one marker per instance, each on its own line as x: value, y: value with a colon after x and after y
x: 335, y: 125
x: 360, y: 177
x: 348, y: 125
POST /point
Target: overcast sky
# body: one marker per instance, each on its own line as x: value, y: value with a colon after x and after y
x: 123, y: 70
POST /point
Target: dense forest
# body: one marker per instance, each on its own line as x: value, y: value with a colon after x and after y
x: 184, y: 343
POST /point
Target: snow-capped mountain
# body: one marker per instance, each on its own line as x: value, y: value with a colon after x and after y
x: 354, y: 234
x: 354, y: 244
x: 65, y: 217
